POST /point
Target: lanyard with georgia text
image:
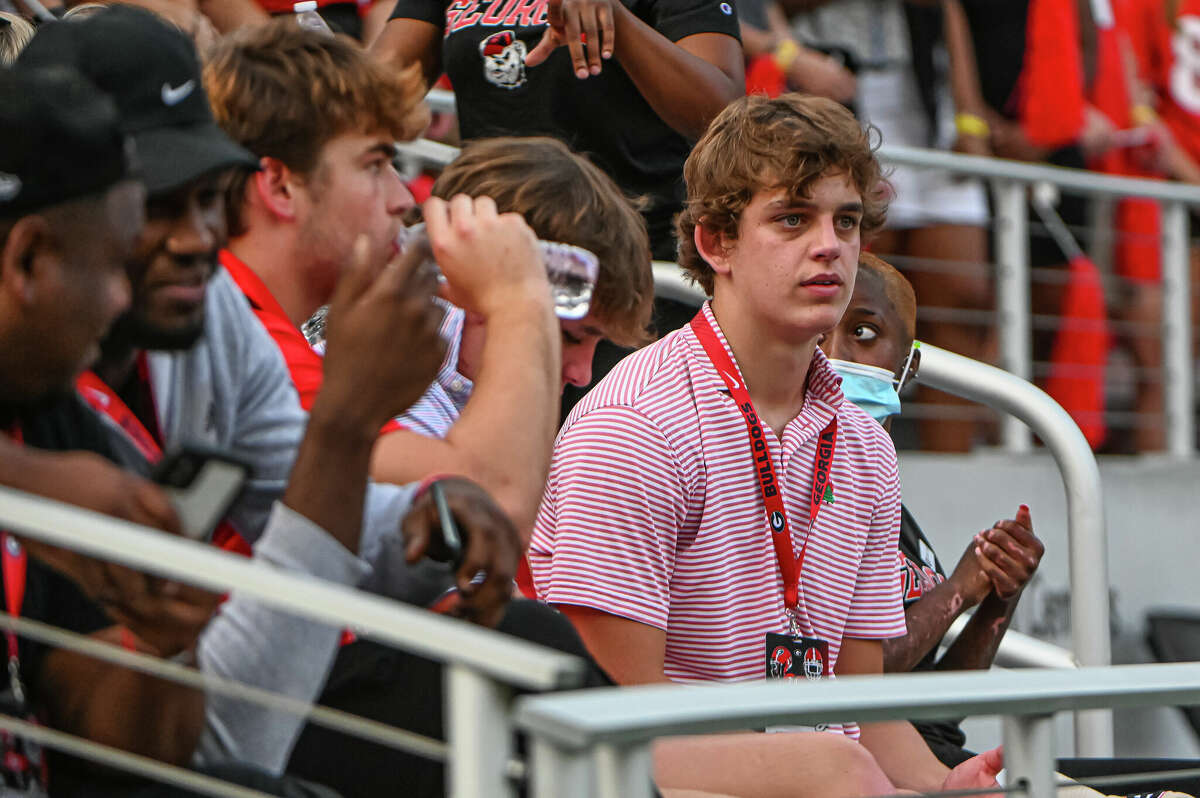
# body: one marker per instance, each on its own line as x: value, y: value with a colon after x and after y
x: 769, y: 486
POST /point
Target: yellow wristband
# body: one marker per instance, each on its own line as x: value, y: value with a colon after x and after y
x: 786, y: 54
x: 1143, y: 115
x: 972, y: 125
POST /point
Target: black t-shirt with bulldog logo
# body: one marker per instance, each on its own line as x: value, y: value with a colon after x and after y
x: 604, y: 117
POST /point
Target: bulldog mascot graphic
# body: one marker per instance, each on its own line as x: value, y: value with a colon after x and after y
x: 503, y: 59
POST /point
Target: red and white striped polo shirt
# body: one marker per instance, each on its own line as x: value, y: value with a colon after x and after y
x: 652, y: 512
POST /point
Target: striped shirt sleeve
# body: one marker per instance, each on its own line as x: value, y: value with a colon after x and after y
x: 605, y: 536
x: 878, y: 610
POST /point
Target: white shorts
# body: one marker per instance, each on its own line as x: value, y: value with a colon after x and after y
x: 889, y: 100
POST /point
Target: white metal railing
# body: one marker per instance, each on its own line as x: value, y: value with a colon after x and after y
x: 1011, y: 182
x: 1086, y: 532
x: 601, y: 737
x: 483, y: 666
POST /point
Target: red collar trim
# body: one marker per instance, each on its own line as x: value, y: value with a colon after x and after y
x: 252, y: 286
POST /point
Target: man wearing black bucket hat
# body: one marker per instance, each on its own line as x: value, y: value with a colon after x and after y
x: 217, y: 379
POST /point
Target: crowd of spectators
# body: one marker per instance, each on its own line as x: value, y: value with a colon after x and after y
x: 184, y: 185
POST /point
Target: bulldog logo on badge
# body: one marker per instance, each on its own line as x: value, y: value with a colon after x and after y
x: 781, y: 663
x: 814, y: 665
x: 503, y: 59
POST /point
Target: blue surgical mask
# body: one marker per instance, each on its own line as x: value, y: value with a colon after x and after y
x: 870, y: 387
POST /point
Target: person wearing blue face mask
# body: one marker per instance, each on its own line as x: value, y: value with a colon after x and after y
x: 874, y: 351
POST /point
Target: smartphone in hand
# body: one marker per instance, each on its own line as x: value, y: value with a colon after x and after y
x: 202, y: 484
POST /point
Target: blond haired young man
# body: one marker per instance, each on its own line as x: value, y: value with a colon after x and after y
x: 748, y: 516
x: 465, y: 423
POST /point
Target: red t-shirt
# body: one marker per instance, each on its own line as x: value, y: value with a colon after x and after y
x: 306, y: 366
x: 1168, y: 48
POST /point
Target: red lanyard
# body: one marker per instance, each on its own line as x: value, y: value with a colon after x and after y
x: 12, y: 560
x: 769, y: 486
x: 104, y: 400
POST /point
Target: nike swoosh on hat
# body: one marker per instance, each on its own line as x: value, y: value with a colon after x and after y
x: 173, y: 95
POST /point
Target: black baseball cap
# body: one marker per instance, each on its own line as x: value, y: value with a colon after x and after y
x: 150, y: 69
x: 60, y: 139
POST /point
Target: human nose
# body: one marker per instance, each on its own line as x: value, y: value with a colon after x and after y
x: 577, y: 366
x: 400, y: 199
x: 828, y: 245
x: 198, y: 230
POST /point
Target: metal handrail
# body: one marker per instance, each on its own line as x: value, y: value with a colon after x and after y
x: 1019, y: 650
x: 438, y: 637
x: 482, y: 666
x: 601, y: 736
x: 1010, y: 182
x: 639, y: 714
x: 1086, y: 533
x: 1075, y: 180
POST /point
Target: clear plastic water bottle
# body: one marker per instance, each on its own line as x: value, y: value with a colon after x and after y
x: 572, y: 271
x: 308, y: 18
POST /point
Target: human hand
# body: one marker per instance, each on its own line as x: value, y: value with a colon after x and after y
x: 1008, y: 140
x: 165, y: 622
x: 490, y: 260
x: 977, y: 773
x: 382, y: 346
x: 167, y: 615
x: 577, y: 23
x: 1009, y: 553
x: 972, y: 145
x: 491, y: 546
x: 969, y: 579
x: 1096, y: 138
x: 816, y: 73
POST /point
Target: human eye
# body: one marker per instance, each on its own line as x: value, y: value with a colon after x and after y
x: 571, y: 339
x: 792, y: 220
x: 848, y: 221
x: 865, y: 332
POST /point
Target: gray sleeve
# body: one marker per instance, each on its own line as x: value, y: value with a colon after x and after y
x: 270, y: 422
x: 382, y: 545
x: 263, y: 647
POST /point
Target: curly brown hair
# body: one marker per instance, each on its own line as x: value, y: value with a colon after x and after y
x: 566, y: 198
x: 759, y: 143
x: 284, y: 92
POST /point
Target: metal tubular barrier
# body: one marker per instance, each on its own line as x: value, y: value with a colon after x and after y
x: 444, y: 639
x: 1018, y: 650
x: 1179, y: 388
x: 479, y: 658
x: 1012, y: 297
x: 1086, y: 531
x: 576, y: 731
x: 1010, y: 181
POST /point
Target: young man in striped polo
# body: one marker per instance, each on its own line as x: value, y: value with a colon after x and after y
x: 715, y: 509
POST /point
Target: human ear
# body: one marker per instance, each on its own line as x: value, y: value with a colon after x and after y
x: 27, y: 241
x: 275, y: 188
x: 712, y: 245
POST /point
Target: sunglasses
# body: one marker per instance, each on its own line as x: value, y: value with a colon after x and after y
x: 907, y: 372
